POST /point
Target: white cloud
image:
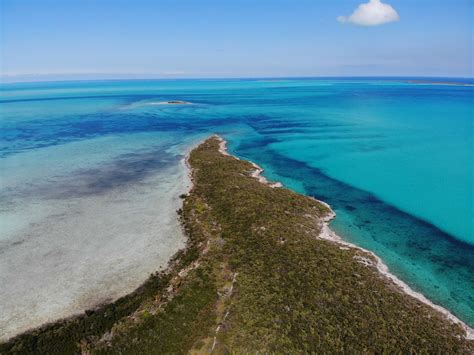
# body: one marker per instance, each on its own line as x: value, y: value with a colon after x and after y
x: 373, y: 13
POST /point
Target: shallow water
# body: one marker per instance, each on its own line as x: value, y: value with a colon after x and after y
x: 88, y: 170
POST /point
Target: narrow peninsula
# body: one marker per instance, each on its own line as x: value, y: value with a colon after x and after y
x: 258, y: 275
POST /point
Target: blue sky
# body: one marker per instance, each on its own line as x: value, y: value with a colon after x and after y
x: 232, y: 38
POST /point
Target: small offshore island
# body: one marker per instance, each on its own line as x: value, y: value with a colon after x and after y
x: 259, y: 274
x: 172, y: 102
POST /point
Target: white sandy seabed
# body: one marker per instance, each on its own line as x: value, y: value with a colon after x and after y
x: 328, y: 234
x: 90, y: 250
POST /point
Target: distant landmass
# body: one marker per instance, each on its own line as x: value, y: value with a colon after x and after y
x: 436, y: 82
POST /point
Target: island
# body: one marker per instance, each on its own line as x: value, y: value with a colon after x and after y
x: 173, y: 102
x: 430, y: 82
x: 261, y: 273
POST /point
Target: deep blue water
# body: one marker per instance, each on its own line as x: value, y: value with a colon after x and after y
x: 393, y: 158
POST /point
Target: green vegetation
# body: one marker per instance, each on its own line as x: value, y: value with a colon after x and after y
x: 254, y: 278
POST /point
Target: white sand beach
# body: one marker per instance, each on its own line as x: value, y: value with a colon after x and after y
x: 328, y: 234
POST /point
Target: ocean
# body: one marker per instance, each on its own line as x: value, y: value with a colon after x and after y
x: 91, y: 171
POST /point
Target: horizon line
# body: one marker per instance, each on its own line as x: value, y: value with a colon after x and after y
x: 49, y: 80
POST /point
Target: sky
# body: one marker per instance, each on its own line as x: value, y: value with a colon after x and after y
x: 234, y: 38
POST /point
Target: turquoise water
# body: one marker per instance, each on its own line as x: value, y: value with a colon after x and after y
x: 394, y: 159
